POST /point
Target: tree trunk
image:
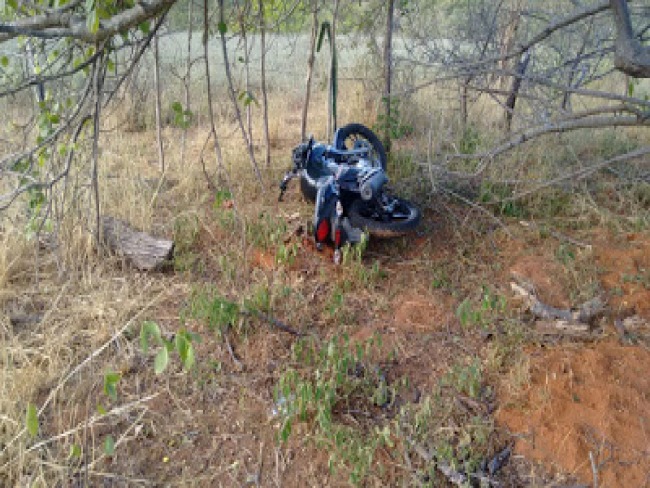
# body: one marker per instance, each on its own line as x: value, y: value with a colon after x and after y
x: 632, y: 58
x: 388, y: 73
x: 509, y: 37
x: 265, y: 100
x: 333, y: 82
x: 187, y: 80
x: 242, y: 14
x: 514, y: 91
x: 310, y: 68
x: 211, y: 119
x: 233, y: 96
x: 142, y: 250
x: 156, y: 77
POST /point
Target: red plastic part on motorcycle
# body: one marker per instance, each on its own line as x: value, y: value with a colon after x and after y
x: 322, y: 230
x: 337, y: 237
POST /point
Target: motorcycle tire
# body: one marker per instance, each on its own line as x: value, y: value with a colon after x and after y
x: 345, y: 138
x: 348, y: 135
x: 362, y: 216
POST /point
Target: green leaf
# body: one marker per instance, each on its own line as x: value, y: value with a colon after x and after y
x: 75, y: 451
x: 4, y: 60
x: 223, y: 28
x: 92, y: 19
x: 286, y: 430
x: 148, y: 331
x: 109, y: 445
x: 145, y: 27
x: 177, y: 107
x: 161, y: 361
x: 31, y: 420
x: 100, y: 409
x: 630, y: 88
x: 185, y: 349
x: 110, y: 384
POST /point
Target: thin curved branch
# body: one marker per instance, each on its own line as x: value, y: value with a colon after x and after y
x: 38, y: 80
x: 48, y: 184
x: 138, y: 55
x: 563, y: 126
x: 581, y: 173
x: 14, y: 158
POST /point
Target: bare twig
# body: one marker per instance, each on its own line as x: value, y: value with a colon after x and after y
x: 594, y: 468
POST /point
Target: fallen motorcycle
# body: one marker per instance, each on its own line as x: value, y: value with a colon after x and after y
x: 347, y: 180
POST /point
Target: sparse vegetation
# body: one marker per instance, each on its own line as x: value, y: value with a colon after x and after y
x: 253, y: 360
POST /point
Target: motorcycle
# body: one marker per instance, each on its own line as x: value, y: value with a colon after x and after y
x: 347, y: 181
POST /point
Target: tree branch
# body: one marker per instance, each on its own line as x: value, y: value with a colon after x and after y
x: 632, y: 58
x: 57, y: 23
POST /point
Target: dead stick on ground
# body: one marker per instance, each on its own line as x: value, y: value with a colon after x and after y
x: 594, y: 468
x: 273, y: 321
x: 237, y: 362
x: 584, y: 313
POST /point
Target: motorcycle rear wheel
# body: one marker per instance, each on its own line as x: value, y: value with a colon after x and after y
x: 346, y: 137
x: 404, y: 219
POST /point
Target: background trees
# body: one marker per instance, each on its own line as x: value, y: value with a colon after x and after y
x: 542, y: 69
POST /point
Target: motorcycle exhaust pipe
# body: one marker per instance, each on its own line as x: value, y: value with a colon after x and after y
x: 371, y: 183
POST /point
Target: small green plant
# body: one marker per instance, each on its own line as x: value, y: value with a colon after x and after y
x: 462, y: 447
x: 325, y: 381
x: 440, y: 280
x: 403, y: 166
x: 470, y: 140
x: 182, y: 343
x: 565, y: 254
x: 266, y: 231
x: 499, y: 196
x: 641, y: 278
x: 490, y: 307
x: 392, y: 124
x: 352, y: 261
x: 286, y: 253
x: 218, y: 312
x: 186, y: 233
x: 466, y: 378
x: 182, y: 117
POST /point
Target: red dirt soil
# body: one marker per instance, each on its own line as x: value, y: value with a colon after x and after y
x: 590, y: 400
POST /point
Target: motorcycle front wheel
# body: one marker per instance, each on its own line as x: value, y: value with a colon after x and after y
x: 351, y: 136
x: 400, y: 218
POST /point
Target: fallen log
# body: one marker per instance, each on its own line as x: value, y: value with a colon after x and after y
x: 142, y: 250
x: 584, y: 313
x: 551, y: 321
